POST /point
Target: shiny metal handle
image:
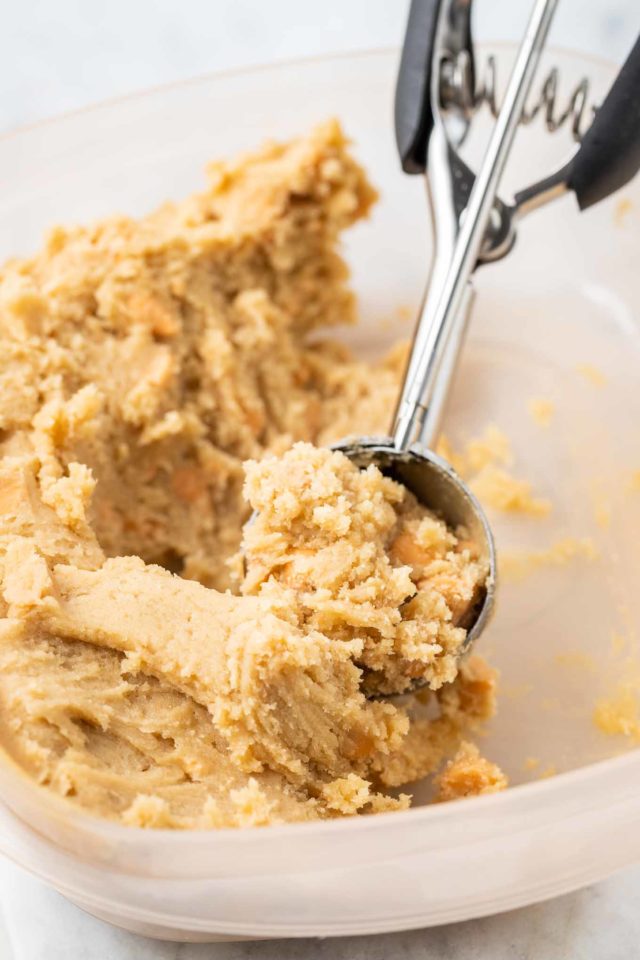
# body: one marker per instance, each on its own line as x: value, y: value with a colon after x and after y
x: 435, y: 358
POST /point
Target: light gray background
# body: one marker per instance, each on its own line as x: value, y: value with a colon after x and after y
x: 58, y: 55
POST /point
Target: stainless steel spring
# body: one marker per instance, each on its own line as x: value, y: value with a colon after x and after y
x: 576, y: 111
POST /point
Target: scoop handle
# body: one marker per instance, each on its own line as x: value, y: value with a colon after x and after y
x: 609, y: 155
x: 413, y: 114
x: 444, y: 303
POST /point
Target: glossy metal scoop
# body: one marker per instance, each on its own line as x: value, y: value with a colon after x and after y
x: 406, y: 456
x: 435, y: 103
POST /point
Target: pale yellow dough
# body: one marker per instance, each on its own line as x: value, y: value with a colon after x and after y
x: 141, y: 362
x: 352, y: 554
x: 468, y: 774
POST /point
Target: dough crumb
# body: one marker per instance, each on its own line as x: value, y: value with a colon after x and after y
x: 576, y: 660
x: 619, y: 715
x: 548, y: 772
x: 148, y: 811
x: 405, y: 312
x: 592, y: 374
x: 491, y: 448
x: 516, y: 565
x: 621, y: 211
x: 482, y: 463
x: 252, y: 806
x: 497, y: 488
x: 346, y: 795
x: 26, y: 583
x: 468, y: 775
x: 602, y: 515
x: 541, y: 410
x: 619, y: 643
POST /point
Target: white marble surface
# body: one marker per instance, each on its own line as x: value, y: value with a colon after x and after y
x: 57, y: 55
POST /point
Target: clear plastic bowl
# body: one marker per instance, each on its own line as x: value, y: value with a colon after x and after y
x: 564, y: 297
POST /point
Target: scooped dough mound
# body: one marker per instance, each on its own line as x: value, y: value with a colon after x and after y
x: 141, y: 362
x: 354, y: 556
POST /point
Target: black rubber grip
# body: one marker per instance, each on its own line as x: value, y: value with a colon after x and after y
x: 609, y: 155
x: 413, y: 117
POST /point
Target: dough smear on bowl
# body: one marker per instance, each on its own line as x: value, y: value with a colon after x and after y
x: 141, y: 363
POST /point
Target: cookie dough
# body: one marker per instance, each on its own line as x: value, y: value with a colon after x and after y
x: 151, y: 357
x: 468, y: 775
x: 353, y: 555
x: 141, y: 362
